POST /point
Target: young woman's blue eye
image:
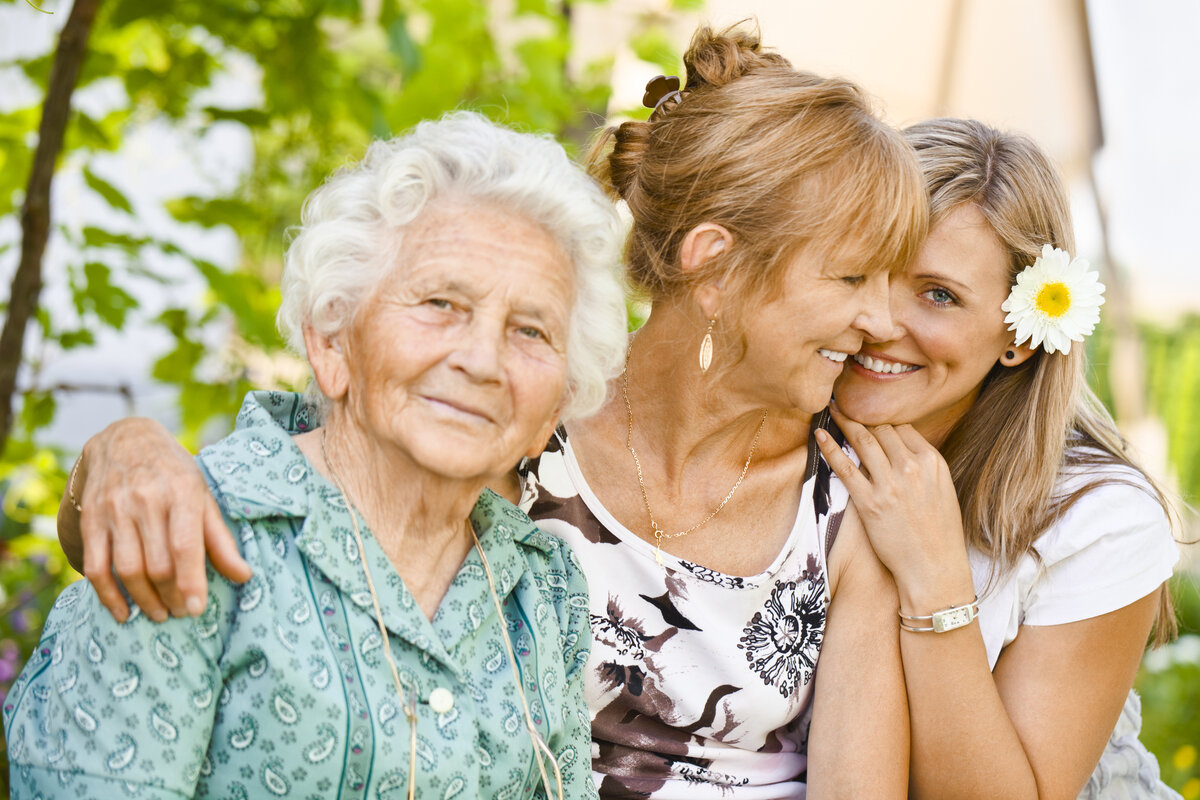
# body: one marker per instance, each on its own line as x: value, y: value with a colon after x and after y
x: 940, y: 296
x: 854, y: 280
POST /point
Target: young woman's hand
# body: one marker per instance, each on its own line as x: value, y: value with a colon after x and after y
x: 906, y: 500
x: 147, y: 520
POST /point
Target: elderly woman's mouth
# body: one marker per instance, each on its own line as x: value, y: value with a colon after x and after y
x: 458, y: 408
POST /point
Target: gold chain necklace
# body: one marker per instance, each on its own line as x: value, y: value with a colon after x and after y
x: 540, y: 747
x: 659, y: 533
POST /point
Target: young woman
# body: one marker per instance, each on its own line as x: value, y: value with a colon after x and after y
x: 768, y: 206
x: 1009, y: 483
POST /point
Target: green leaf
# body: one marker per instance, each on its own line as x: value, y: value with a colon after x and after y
x: 250, y: 117
x: 687, y: 5
x: 98, y: 237
x: 402, y: 46
x: 37, y: 410
x: 106, y: 300
x: 653, y: 46
x: 106, y: 190
x: 210, y: 212
x: 177, y: 366
x: 80, y: 337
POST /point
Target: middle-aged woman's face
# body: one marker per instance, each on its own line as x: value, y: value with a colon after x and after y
x: 798, y: 341
x: 458, y: 358
x: 949, y: 332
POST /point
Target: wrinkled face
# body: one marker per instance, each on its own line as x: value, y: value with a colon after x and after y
x: 798, y: 342
x: 458, y: 359
x: 950, y: 332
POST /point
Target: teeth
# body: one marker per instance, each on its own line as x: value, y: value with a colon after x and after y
x: 833, y: 355
x: 884, y: 367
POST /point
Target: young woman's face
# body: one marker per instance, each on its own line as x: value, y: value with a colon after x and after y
x: 949, y: 332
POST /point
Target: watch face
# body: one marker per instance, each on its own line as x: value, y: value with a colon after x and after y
x: 952, y: 618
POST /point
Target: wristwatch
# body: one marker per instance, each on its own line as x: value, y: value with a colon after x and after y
x: 944, y: 620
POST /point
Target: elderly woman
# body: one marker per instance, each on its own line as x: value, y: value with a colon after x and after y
x: 455, y: 295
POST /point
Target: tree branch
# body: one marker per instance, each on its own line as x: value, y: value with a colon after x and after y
x: 35, y: 213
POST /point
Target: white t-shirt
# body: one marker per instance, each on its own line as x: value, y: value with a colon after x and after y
x: 1112, y: 547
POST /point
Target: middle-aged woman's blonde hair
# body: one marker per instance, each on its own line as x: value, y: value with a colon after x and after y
x: 1036, y: 421
x: 783, y: 159
x: 352, y: 234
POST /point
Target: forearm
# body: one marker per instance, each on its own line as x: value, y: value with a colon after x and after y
x: 70, y: 536
x: 859, y: 740
x: 963, y: 742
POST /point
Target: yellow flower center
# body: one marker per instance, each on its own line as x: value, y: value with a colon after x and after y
x: 1053, y: 299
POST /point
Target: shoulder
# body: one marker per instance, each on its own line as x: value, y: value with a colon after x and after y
x: 257, y: 471
x: 1111, y: 545
x: 1104, y: 503
x: 543, y: 552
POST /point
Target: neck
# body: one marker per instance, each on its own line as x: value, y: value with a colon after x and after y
x: 683, y: 415
x: 402, y: 502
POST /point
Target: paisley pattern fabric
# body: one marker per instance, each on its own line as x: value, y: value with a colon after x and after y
x: 281, y: 689
x: 699, y: 683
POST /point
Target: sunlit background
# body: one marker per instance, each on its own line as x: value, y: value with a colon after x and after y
x: 198, y: 127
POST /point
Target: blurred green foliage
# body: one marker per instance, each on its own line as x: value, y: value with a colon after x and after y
x: 1170, y: 356
x: 1169, y: 683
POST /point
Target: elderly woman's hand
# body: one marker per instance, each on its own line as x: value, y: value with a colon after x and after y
x: 147, y: 520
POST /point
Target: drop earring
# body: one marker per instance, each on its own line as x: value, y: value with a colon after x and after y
x: 706, y: 348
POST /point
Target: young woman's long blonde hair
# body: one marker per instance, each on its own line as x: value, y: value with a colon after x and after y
x: 1032, y: 421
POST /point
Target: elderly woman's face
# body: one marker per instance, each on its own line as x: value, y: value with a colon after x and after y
x: 458, y: 359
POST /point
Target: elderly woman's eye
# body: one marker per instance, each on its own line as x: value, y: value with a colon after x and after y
x: 531, y: 333
x: 440, y: 302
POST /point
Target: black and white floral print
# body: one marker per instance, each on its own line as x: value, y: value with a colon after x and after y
x: 678, y: 711
x: 783, y: 640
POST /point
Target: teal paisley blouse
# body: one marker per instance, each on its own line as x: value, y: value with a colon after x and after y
x: 281, y: 689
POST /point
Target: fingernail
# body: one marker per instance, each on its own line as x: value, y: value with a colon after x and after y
x: 195, y: 606
x: 822, y: 436
x: 158, y: 615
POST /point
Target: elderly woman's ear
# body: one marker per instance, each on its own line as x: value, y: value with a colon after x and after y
x: 328, y: 355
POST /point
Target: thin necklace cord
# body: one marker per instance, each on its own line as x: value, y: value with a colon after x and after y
x: 410, y: 711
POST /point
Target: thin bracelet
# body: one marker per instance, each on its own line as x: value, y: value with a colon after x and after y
x: 943, y: 620
x: 71, y: 485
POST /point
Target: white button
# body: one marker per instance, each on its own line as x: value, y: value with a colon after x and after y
x: 440, y: 700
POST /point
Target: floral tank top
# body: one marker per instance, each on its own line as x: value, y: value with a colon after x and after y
x: 699, y: 684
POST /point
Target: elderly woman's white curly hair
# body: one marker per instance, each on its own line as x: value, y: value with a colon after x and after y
x: 352, y: 222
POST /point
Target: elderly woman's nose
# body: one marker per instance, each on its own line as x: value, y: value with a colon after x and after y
x: 480, y: 350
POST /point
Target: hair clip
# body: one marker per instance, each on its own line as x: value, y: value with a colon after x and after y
x: 659, y: 90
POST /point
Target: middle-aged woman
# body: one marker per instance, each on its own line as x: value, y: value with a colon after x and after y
x: 1008, y: 482
x: 402, y: 633
x: 768, y: 207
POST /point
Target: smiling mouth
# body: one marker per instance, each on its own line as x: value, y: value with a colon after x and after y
x: 881, y: 367
x: 460, y: 409
x: 833, y: 355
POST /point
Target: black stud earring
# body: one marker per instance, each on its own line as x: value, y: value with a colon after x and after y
x: 1010, y: 355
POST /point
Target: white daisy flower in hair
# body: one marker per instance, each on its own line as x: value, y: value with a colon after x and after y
x: 1056, y: 301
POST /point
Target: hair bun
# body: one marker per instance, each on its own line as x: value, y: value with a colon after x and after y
x: 717, y: 58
